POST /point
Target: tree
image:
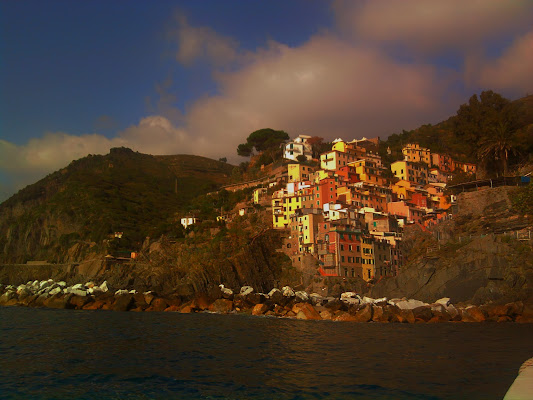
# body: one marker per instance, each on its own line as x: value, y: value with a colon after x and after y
x: 223, y: 159
x: 244, y: 150
x: 301, y: 158
x: 498, y: 146
x: 263, y: 140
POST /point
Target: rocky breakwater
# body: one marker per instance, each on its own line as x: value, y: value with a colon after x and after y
x: 350, y: 306
x: 284, y: 302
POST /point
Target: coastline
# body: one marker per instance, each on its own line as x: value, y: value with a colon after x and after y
x: 282, y: 303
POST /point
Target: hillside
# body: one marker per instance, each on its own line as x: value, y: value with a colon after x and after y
x: 95, y: 196
x: 462, y: 134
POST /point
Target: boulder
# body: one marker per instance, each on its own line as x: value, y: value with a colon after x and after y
x: 391, y: 314
x: 307, y: 311
x: 58, y: 301
x: 222, y: 306
x: 103, y: 287
x: 89, y: 285
x: 133, y: 291
x: 406, y: 316
x: 186, y: 309
x: 121, y: 292
x: 377, y: 315
x: 246, y: 290
x: 148, y: 297
x: 201, y: 302
x: 79, y: 302
x: 367, y: 300
x: 423, y: 313
x: 7, y: 296
x: 364, y: 314
x: 55, y: 291
x: 408, y: 304
x: 316, y: 299
x: 472, y: 314
x: 95, y: 305
x: 140, y: 300
x: 260, y: 309
x: 158, y: 304
x: 44, y: 284
x: 287, y: 291
x: 123, y: 302
x: 336, y: 305
x: 349, y: 295
x: 301, y: 296
x: 62, y: 284
x: 24, y: 292
x: 275, y: 296
x: 445, y: 301
x: 173, y: 308
x: 344, y: 316
x: 226, y: 293
x: 254, y: 298
x: 78, y: 292
x: 78, y: 286
x: 326, y: 314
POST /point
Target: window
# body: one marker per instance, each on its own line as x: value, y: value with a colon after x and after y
x: 342, y: 258
x: 342, y: 247
x: 353, y: 273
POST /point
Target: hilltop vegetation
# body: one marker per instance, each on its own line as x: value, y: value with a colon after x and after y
x: 95, y: 196
x: 490, y: 131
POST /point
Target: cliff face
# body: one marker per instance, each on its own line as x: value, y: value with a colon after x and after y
x: 477, y: 258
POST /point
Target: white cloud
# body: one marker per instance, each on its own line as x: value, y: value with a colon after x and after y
x: 433, y: 25
x: 512, y: 72
x: 202, y: 43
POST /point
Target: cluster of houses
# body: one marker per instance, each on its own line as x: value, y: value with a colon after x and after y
x: 348, y: 214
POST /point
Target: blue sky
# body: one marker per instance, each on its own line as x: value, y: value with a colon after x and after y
x: 197, y: 77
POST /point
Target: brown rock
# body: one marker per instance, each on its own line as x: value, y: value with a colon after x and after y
x: 58, y: 301
x: 78, y: 302
x: 260, y: 309
x: 344, y: 316
x: 221, y: 306
x: 290, y: 314
x: 423, y: 313
x: 148, y: 298
x: 187, y: 308
x: 140, y: 300
x: 326, y: 314
x: 95, y: 305
x: 158, y: 304
x: 172, y: 309
x: 406, y: 316
x: 472, y: 314
x: 391, y: 313
x: 336, y: 305
x: 505, y: 318
x: 270, y: 314
x: 378, y: 314
x: 123, y: 302
x: 364, y: 314
x: 137, y: 309
x: 201, y: 302
x: 307, y: 311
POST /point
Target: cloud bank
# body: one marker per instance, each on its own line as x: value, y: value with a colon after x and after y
x: 334, y: 85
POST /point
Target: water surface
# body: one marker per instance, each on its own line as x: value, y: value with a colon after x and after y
x: 66, y: 354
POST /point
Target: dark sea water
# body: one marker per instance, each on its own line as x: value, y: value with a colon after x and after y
x: 65, y: 354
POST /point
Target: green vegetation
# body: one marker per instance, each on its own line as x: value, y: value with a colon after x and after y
x: 266, y: 141
x: 124, y: 191
x: 489, y: 130
x: 522, y: 199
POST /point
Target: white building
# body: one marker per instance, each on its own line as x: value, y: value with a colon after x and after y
x: 297, y: 147
x: 188, y: 221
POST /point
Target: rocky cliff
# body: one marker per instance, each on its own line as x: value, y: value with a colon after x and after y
x: 482, y: 255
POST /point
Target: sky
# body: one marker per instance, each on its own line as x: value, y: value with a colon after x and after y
x: 197, y: 77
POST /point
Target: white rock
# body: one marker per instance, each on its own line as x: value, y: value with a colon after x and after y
x: 348, y: 295
x: 316, y: 299
x: 35, y: 284
x: 226, y: 291
x: 20, y: 287
x: 104, y: 287
x: 55, y: 291
x: 351, y: 301
x: 246, y: 290
x: 409, y: 304
x: 287, y: 291
x: 62, y: 284
x: 368, y: 300
x: 302, y: 296
x: 89, y: 284
x: 452, y: 310
x: 133, y: 291
x: 273, y: 292
x: 121, y: 292
x: 44, y: 284
x: 445, y: 301
x: 65, y: 290
x: 79, y: 292
x: 382, y: 300
x: 78, y: 286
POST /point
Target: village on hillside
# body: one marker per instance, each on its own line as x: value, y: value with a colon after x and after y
x: 344, y: 211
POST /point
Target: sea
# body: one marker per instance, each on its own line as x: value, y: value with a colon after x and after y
x: 67, y: 354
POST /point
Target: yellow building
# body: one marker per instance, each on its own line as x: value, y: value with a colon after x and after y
x: 408, y: 171
x: 414, y: 153
x: 283, y: 206
x: 402, y: 189
x: 299, y: 172
x: 304, y: 225
x: 367, y: 258
x: 333, y: 160
x: 369, y: 172
x: 258, y: 194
